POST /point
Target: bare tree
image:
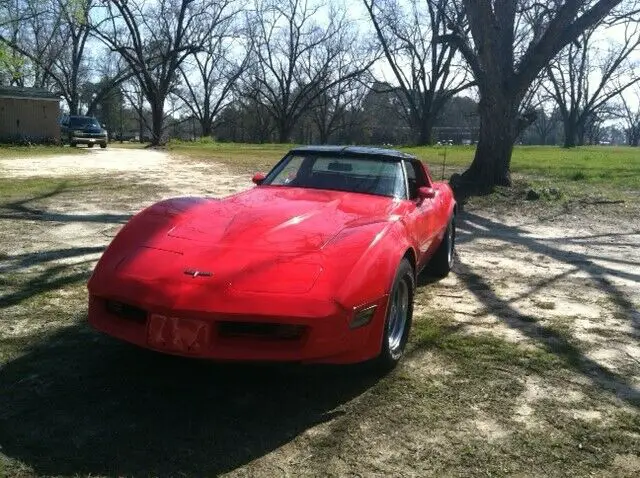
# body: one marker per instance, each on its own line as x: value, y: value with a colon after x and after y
x: 54, y: 40
x: 297, y: 58
x: 630, y: 115
x: 70, y: 66
x: 331, y: 110
x: 11, y: 61
x: 583, y: 78
x: 54, y: 37
x: 133, y: 94
x: 511, y: 42
x: 210, y: 76
x: 423, y: 67
x: 154, y: 39
x: 30, y: 35
x: 545, y: 125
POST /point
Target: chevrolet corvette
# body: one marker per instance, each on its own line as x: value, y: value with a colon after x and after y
x: 316, y: 263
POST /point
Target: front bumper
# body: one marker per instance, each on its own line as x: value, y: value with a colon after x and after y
x: 86, y: 140
x: 245, y: 335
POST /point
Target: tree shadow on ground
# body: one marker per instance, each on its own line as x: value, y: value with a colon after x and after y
x: 23, y: 210
x: 56, y: 274
x: 473, y: 227
x: 54, y: 278
x: 79, y: 403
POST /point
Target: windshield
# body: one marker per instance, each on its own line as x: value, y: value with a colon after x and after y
x: 84, y: 122
x: 367, y: 175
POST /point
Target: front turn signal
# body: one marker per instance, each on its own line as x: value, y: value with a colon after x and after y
x: 362, y: 317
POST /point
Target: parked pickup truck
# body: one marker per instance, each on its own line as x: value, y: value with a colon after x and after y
x: 83, y: 130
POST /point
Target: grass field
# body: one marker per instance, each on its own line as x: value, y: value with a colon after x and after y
x: 524, y: 362
x: 612, y: 170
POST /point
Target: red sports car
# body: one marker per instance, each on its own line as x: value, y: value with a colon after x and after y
x: 317, y: 263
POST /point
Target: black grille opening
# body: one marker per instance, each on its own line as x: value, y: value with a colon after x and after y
x: 126, y: 311
x: 261, y: 330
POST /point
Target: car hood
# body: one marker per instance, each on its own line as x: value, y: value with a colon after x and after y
x: 278, y: 219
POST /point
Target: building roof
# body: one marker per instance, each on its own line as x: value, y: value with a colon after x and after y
x: 354, y: 151
x: 27, y: 93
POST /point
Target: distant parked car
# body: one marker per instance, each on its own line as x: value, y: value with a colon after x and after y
x: 83, y: 130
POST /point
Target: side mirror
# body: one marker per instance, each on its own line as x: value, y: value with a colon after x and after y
x: 426, y: 193
x: 258, y: 178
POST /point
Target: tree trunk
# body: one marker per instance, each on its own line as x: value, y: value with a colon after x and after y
x: 205, y: 127
x: 284, y: 132
x: 570, y: 133
x: 73, y: 105
x: 498, y: 130
x: 323, y: 135
x: 580, y: 133
x: 425, y: 130
x: 157, y: 119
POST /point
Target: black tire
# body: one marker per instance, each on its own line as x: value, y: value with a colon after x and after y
x: 103, y: 145
x: 390, y: 354
x: 442, y: 261
x: 72, y: 144
x: 90, y: 145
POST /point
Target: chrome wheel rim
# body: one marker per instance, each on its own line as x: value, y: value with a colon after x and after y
x: 450, y: 240
x: 398, y: 316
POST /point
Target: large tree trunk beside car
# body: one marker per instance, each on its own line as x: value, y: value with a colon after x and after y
x: 499, y: 117
x: 157, y: 120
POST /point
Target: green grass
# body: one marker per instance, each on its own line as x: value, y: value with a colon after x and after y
x: 241, y: 158
x: 575, y: 172
x: 616, y: 166
x: 7, y: 152
x: 36, y: 186
x: 110, y: 188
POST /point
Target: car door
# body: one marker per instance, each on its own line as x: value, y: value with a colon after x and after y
x: 422, y: 215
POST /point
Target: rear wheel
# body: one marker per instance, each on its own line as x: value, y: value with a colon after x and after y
x: 90, y: 145
x: 442, y: 261
x: 103, y: 145
x: 399, y: 316
x: 72, y: 144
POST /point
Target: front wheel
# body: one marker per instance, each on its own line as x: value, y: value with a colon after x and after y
x: 103, y: 145
x: 399, y: 316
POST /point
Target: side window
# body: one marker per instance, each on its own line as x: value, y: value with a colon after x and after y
x: 289, y: 172
x: 416, y: 178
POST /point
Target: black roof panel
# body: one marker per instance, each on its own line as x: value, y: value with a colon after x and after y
x: 353, y: 150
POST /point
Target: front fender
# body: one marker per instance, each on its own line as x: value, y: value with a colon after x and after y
x: 372, y: 275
